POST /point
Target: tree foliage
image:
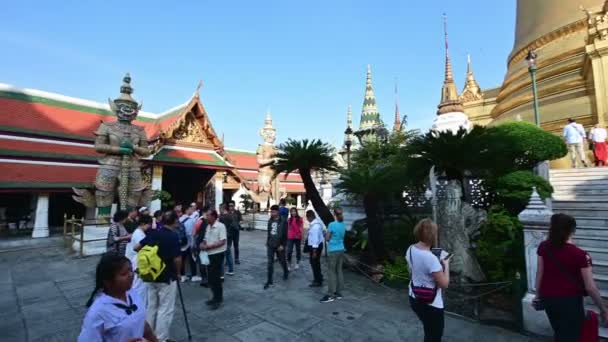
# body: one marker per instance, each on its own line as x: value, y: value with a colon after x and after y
x: 520, y: 146
x: 306, y: 156
x: 513, y: 190
x: 500, y: 245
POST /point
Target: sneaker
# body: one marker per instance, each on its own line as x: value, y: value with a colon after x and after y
x: 222, y: 277
x: 230, y: 273
x: 204, y: 284
x: 237, y: 262
x: 210, y: 302
x: 338, y: 295
x: 196, y: 278
x: 327, y: 299
x: 289, y: 268
x: 297, y: 266
x: 183, y: 279
x: 286, y: 276
x: 215, y: 306
x: 268, y: 285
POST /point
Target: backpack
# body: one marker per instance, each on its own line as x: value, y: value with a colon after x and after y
x: 149, y: 264
x: 181, y: 234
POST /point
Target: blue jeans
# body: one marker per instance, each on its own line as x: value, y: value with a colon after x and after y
x: 230, y: 241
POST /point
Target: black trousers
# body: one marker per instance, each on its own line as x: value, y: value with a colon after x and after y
x: 270, y: 253
x: 432, y: 320
x: 566, y: 315
x: 187, y: 254
x: 315, y: 263
x: 290, y: 245
x: 214, y: 273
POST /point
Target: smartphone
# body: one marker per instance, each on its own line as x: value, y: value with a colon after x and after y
x: 437, y: 252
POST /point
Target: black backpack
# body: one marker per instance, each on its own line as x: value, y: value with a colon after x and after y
x: 181, y: 233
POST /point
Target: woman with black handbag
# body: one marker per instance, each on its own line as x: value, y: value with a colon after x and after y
x: 563, y: 277
x: 429, y: 276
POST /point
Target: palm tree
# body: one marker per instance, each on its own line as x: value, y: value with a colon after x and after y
x: 306, y: 156
x: 376, y: 178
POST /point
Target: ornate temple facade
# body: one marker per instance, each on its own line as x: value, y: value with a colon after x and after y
x: 47, y: 148
x: 571, y: 40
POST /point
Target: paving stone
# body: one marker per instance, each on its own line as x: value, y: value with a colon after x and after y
x: 45, y: 308
x: 37, y: 292
x: 296, y: 321
x: 326, y: 331
x: 265, y: 332
x: 235, y: 320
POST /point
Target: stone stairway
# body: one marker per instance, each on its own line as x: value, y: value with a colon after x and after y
x: 583, y: 193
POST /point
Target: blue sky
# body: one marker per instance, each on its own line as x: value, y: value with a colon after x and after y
x: 305, y: 60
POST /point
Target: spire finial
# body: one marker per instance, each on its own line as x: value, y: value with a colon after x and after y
x: 198, y: 88
x: 449, y: 76
x: 471, y: 91
x: 349, y: 117
x: 450, y: 101
x: 397, y: 122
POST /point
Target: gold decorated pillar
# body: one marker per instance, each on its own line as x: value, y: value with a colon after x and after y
x: 596, y: 64
x: 157, y: 183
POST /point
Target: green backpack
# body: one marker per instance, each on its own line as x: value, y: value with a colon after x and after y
x: 149, y: 264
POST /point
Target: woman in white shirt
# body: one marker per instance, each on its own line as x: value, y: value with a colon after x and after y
x: 429, y: 275
x: 139, y: 286
x: 116, y: 314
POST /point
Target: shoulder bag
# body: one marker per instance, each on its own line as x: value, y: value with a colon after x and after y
x: 423, y: 294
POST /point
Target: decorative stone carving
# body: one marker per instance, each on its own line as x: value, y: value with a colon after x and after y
x: 265, y: 154
x: 458, y: 221
x: 122, y: 145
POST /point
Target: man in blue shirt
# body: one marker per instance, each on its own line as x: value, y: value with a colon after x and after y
x: 283, y: 211
x: 163, y: 291
x: 335, y: 257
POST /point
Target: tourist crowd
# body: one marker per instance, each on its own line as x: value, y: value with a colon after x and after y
x: 138, y: 279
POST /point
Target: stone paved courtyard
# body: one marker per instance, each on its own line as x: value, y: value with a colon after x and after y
x: 43, y: 291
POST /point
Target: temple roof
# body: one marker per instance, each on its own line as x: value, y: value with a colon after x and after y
x: 23, y: 175
x: 43, y: 128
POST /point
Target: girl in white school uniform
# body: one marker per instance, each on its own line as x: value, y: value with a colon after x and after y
x: 116, y: 314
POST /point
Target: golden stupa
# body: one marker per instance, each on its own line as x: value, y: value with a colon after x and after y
x: 571, y: 40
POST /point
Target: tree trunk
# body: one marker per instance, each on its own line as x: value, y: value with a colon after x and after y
x: 375, y: 232
x: 315, y: 198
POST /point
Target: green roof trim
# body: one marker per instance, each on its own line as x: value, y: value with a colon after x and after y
x: 4, y: 152
x: 45, y: 185
x: 162, y: 156
x: 240, y: 152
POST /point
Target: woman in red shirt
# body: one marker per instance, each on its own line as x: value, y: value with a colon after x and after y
x: 294, y: 236
x: 564, y: 276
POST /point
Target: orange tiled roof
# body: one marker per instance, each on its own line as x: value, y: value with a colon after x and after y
x: 24, y: 176
x: 21, y: 148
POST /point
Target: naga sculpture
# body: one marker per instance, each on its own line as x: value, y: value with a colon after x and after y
x: 122, y: 145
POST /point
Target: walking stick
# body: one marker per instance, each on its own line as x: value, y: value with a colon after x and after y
x: 181, y: 299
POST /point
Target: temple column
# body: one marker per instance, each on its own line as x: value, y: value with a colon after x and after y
x: 299, y: 201
x: 157, y: 183
x: 41, y: 222
x: 219, y: 189
x: 535, y: 219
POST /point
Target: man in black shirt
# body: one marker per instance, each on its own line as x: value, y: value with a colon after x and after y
x: 276, y: 241
x: 162, y: 292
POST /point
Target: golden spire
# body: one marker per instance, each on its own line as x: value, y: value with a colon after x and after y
x: 450, y: 101
x: 397, y: 122
x: 471, y: 91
